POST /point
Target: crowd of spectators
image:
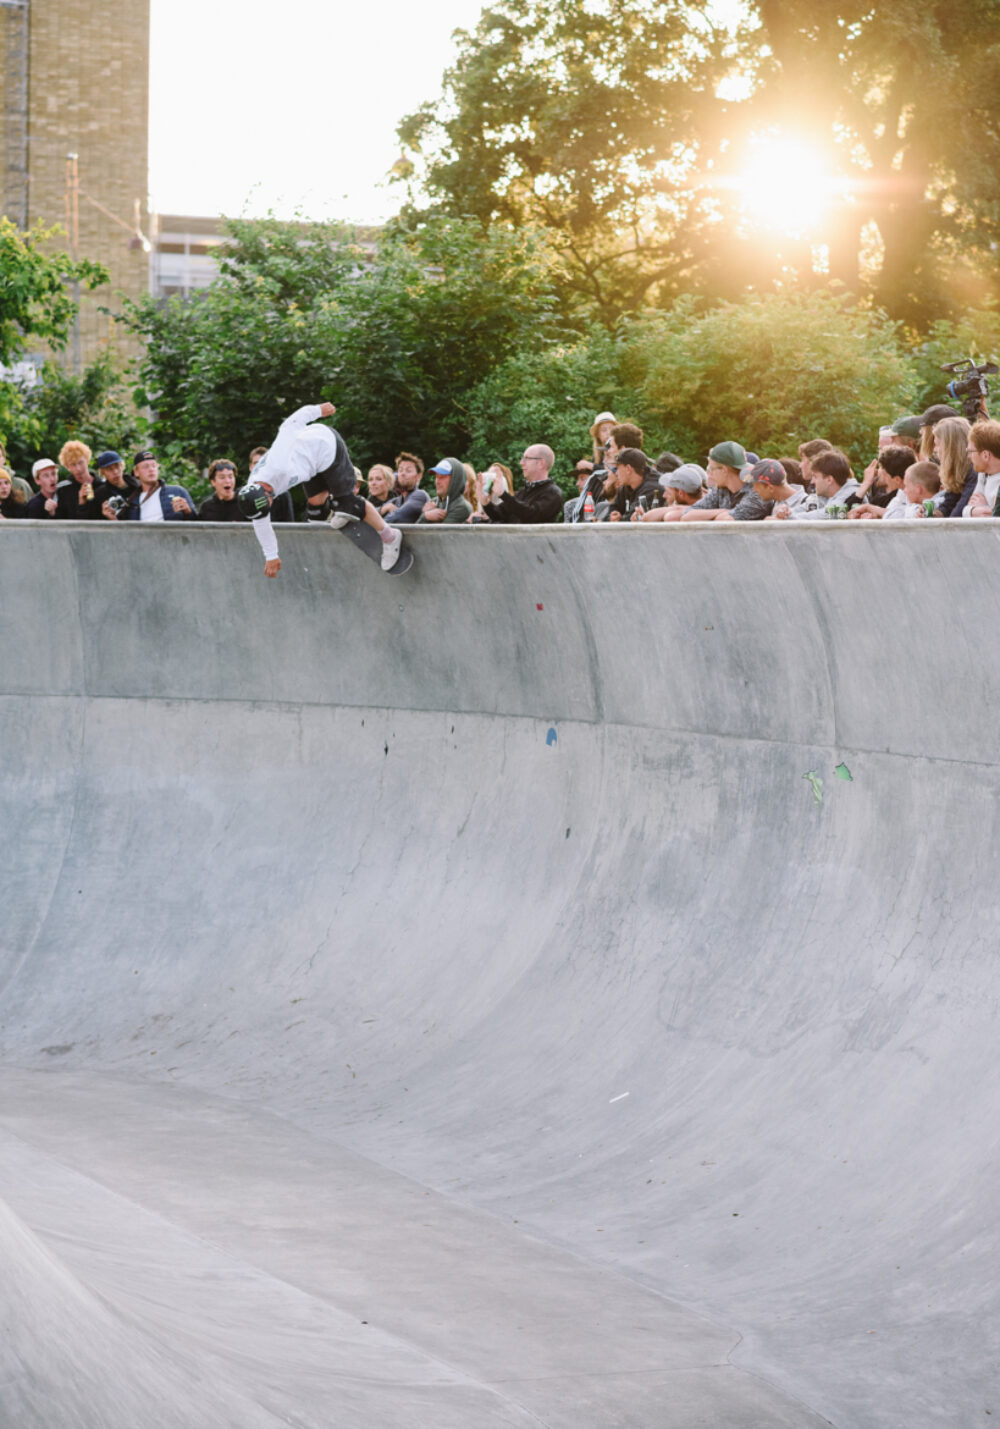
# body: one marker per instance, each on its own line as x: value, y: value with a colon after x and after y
x: 932, y: 465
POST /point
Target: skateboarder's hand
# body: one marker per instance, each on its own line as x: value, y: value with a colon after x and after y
x: 327, y: 409
x: 271, y: 568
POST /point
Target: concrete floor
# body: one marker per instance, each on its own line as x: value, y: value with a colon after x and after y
x: 556, y: 988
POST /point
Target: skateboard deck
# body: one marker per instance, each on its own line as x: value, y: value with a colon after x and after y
x: 368, y: 540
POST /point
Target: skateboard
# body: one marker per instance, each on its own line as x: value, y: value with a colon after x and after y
x: 368, y: 540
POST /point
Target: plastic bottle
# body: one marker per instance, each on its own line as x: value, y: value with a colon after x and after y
x: 588, y: 507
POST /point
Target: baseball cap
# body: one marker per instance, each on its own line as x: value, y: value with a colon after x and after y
x: 41, y: 464
x: 107, y: 459
x: 443, y: 468
x: 768, y: 470
x: 906, y: 427
x: 144, y: 455
x: 688, y: 477
x: 729, y: 454
x: 936, y: 414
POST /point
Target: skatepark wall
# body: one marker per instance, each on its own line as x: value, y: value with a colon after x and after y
x: 635, y: 885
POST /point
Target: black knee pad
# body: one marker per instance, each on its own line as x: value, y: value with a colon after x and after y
x: 319, y: 513
x: 351, y: 505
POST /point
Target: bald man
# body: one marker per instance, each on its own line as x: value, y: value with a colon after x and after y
x: 539, y: 499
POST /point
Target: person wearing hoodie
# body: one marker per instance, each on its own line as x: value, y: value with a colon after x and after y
x: 450, y: 505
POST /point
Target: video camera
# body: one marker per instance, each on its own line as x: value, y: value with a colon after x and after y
x: 970, y: 385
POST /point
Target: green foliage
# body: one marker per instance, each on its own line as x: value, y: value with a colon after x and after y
x: 574, y: 116
x: 96, y: 407
x: 768, y: 372
x: 394, y: 338
x: 609, y: 126
x: 975, y: 334
x: 552, y: 396
x: 34, y: 296
x: 771, y: 372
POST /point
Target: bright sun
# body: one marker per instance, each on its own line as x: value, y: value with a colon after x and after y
x: 784, y: 185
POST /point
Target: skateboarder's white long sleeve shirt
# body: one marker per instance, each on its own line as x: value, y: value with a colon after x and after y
x: 298, y: 452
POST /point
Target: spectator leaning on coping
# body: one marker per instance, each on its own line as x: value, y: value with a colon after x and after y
x: 984, y: 452
x: 638, y: 486
x: 154, y: 501
x: 380, y: 486
x: 921, y: 486
x: 12, y: 503
x: 958, y: 475
x: 772, y: 488
x: 449, y: 506
x: 540, y: 500
x: 409, y: 501
x: 222, y: 504
x: 76, y: 498
x: 885, y: 499
x: 43, y: 505
x: 113, y: 482
x: 730, y: 497
x: 835, y: 486
x: 681, y: 487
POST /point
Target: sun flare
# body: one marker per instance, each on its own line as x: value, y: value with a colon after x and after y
x: 784, y: 185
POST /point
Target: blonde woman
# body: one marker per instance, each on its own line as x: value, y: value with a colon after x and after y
x: 12, y: 502
x: 951, y: 447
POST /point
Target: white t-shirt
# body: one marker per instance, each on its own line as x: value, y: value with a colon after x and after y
x: 150, y: 507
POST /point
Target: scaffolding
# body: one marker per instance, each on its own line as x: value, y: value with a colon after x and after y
x: 15, y: 178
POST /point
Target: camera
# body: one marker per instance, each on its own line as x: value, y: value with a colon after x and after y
x: 969, y: 385
x: 117, y: 504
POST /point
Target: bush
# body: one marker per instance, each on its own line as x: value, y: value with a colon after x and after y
x: 770, y: 372
x: 95, y: 407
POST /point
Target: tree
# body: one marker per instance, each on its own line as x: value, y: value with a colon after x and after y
x: 770, y: 371
x: 621, y: 129
x: 394, y: 336
x: 34, y: 296
x: 35, y: 302
x: 900, y: 101
x: 579, y: 118
x: 95, y: 407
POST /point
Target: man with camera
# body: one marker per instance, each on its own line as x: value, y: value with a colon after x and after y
x: 115, y: 489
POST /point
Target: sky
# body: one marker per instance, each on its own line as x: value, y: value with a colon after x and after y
x: 292, y: 106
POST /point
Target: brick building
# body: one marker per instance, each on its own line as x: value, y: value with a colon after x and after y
x: 76, y: 81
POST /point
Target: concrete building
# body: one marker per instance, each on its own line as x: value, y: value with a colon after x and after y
x: 76, y: 82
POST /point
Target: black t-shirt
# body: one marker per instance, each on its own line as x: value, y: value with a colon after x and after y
x: 212, y: 509
x: 13, y: 510
x: 35, y: 509
x: 69, y: 507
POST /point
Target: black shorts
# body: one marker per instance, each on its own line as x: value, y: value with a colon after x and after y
x: 338, y: 478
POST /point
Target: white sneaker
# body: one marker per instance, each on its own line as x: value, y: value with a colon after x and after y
x: 391, y: 550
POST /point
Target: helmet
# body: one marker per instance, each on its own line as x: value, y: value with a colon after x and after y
x: 252, y: 500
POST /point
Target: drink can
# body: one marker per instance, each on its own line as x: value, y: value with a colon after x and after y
x: 930, y: 506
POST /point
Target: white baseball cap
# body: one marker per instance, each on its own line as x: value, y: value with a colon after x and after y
x: 42, y: 464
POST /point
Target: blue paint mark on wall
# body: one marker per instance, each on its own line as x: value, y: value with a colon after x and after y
x: 551, y: 737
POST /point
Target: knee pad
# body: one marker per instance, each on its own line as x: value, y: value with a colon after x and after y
x: 351, y: 507
x: 319, y: 513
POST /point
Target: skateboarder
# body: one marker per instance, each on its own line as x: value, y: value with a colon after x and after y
x: 305, y: 453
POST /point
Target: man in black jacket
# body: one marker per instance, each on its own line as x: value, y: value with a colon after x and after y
x: 637, y: 483
x: 538, y: 501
